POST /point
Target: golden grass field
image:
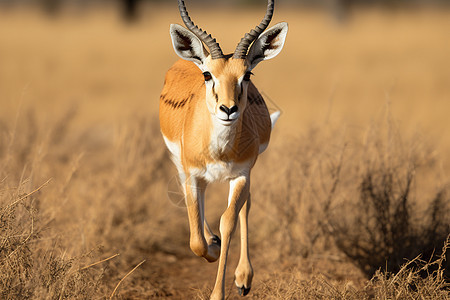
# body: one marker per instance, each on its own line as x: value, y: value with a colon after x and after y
x: 356, y: 174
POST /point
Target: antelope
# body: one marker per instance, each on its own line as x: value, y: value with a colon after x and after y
x: 215, y: 123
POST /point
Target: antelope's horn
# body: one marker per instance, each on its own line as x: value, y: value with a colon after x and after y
x: 242, y: 47
x: 206, y: 38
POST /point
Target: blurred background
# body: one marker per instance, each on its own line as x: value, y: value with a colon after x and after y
x: 358, y: 161
x: 344, y: 59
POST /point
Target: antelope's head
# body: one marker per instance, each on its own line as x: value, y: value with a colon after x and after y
x: 227, y: 76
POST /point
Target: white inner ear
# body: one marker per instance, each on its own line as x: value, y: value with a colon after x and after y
x: 268, y: 45
x: 187, y: 45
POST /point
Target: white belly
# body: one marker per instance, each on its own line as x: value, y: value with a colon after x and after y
x: 222, y: 171
x: 219, y: 171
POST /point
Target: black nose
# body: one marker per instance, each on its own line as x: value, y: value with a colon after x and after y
x: 227, y: 110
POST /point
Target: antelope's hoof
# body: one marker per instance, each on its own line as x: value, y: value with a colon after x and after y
x: 243, y: 291
x: 216, y: 240
x: 213, y: 249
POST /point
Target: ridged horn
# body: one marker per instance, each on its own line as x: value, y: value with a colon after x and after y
x: 242, y: 47
x: 206, y: 38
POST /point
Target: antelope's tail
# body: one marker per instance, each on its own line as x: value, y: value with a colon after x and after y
x: 274, y: 117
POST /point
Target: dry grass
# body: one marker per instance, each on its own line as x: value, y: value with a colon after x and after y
x: 84, y: 173
x: 407, y: 283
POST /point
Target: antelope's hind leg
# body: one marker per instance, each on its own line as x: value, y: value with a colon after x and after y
x: 212, y: 239
x: 194, y: 189
x: 244, y: 272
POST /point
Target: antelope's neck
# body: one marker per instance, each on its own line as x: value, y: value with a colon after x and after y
x: 204, y: 140
x: 218, y: 159
x: 223, y: 139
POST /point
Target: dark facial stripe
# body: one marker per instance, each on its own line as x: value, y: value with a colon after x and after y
x: 214, y: 93
x: 242, y: 91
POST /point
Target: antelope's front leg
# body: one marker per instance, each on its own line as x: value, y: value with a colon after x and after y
x: 239, y: 191
x: 244, y: 271
x: 194, y: 189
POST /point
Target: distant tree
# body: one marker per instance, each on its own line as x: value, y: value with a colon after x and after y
x: 340, y: 9
x: 51, y: 7
x: 130, y: 10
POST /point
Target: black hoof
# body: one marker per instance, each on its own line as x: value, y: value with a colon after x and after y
x: 243, y: 291
x: 216, y: 240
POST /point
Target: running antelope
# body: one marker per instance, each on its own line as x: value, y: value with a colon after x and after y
x: 215, y: 123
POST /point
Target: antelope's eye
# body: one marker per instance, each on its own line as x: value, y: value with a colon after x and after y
x: 247, y: 76
x: 208, y: 76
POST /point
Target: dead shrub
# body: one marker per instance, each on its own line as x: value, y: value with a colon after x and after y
x: 390, y: 218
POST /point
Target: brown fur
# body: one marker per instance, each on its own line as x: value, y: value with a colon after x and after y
x: 185, y: 119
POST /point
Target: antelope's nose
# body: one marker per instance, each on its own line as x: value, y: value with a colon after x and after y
x: 227, y: 110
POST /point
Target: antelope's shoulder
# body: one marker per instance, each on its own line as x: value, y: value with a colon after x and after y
x: 182, y: 86
x: 183, y: 82
x: 183, y: 74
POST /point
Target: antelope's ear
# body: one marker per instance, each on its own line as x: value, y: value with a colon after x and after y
x: 268, y: 45
x: 187, y: 45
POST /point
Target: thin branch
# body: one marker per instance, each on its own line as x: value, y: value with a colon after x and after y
x: 117, y: 286
x: 99, y: 262
x: 29, y: 194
